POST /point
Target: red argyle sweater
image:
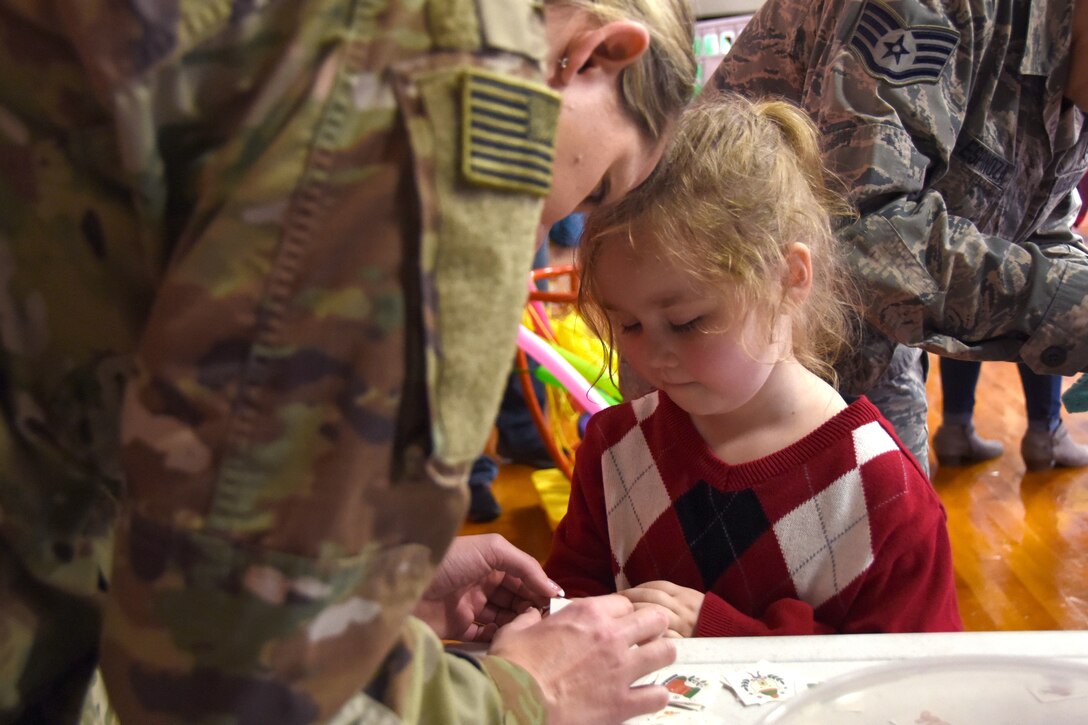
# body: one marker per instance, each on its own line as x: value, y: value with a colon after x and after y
x: 838, y: 532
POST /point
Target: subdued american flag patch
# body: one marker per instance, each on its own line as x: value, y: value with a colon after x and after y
x: 899, y: 53
x: 508, y: 133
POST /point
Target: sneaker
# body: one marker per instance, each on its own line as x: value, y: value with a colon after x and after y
x: 960, y: 445
x: 1042, y: 450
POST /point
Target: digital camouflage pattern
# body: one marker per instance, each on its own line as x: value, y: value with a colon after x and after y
x: 242, y: 229
x: 946, y: 121
x: 900, y: 395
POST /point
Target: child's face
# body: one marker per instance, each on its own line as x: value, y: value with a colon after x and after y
x: 682, y: 335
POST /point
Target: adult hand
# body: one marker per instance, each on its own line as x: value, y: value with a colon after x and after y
x: 482, y: 583
x: 584, y: 662
x: 681, y: 604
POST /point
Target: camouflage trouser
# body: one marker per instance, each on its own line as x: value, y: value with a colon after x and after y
x: 900, y: 394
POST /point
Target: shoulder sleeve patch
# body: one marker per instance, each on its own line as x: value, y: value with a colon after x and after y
x: 897, y: 52
x: 508, y: 133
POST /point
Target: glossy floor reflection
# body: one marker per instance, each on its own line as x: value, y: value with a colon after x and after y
x: 1019, y: 540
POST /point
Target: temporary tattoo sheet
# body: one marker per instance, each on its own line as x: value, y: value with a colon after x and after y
x: 760, y: 684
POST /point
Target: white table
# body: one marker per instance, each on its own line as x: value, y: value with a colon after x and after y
x: 819, y: 658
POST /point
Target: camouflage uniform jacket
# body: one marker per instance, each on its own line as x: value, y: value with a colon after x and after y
x: 260, y: 277
x: 946, y: 121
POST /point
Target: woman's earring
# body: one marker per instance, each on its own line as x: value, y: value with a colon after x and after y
x: 563, y: 63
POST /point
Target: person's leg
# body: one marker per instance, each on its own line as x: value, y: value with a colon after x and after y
x: 956, y: 443
x: 900, y: 394
x: 1042, y: 399
x: 482, y: 504
x: 518, y: 437
x: 1047, y: 443
x: 958, y: 381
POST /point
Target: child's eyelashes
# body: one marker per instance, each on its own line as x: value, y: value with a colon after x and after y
x: 678, y: 328
x: 687, y: 326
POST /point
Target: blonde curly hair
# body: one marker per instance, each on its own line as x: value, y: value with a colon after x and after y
x: 740, y: 181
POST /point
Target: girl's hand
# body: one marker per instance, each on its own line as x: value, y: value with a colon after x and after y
x: 682, y: 604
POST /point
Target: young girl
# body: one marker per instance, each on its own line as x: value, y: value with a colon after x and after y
x: 743, y: 496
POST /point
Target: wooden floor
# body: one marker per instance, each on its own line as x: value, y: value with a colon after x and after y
x: 1019, y: 540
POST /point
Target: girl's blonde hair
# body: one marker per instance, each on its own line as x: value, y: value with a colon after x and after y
x: 740, y: 181
x: 657, y: 86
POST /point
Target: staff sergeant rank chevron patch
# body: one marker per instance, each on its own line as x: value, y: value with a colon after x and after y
x: 508, y: 133
x: 901, y: 54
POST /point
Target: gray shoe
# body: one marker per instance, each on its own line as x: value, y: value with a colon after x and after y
x: 1042, y: 450
x: 960, y: 445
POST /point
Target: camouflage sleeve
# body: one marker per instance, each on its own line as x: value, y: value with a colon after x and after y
x: 934, y: 279
x: 326, y: 349
x: 447, y: 688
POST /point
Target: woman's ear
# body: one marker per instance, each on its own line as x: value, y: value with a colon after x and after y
x: 610, y: 48
x: 798, y: 277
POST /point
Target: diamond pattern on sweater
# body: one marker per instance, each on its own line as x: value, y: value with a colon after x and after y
x: 635, y: 495
x: 719, y: 526
x: 825, y: 541
x: 870, y: 441
x: 645, y: 406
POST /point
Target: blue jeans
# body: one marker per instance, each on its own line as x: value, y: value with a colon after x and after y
x: 484, y: 471
x: 1042, y: 394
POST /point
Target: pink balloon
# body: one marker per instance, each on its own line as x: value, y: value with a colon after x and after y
x: 584, y: 395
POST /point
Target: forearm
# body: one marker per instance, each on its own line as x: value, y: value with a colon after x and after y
x: 459, y: 689
x: 577, y: 563
x: 718, y: 618
x: 269, y: 659
x: 288, y: 636
x: 580, y: 560
x: 931, y: 279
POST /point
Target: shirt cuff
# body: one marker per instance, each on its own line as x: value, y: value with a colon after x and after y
x: 522, y: 698
x: 716, y: 618
x: 1059, y: 346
